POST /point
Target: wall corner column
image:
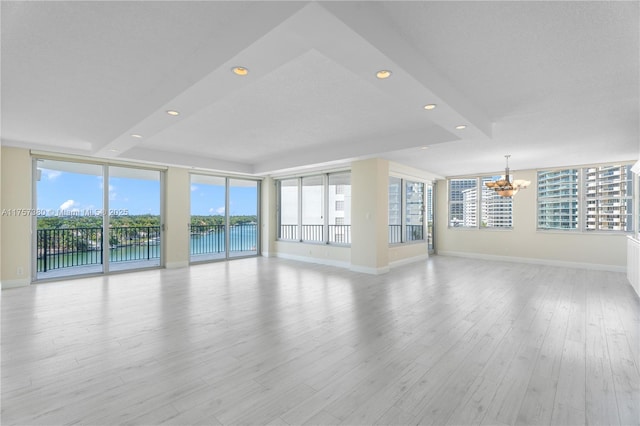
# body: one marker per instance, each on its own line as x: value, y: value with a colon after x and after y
x: 370, y: 216
x: 177, y: 217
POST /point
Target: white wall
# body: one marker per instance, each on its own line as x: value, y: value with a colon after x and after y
x: 524, y: 242
x: 16, y: 229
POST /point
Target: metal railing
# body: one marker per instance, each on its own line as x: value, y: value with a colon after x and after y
x: 415, y: 232
x: 340, y: 234
x: 289, y: 232
x: 68, y: 247
x: 208, y: 239
x: 412, y: 233
x: 312, y: 233
x: 243, y: 237
x: 395, y: 234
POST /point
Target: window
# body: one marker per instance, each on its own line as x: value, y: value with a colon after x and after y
x: 473, y: 205
x: 608, y: 198
x: 430, y: 216
x: 598, y: 198
x: 95, y: 218
x: 406, y: 210
x: 463, y: 203
x: 288, y: 210
x: 496, y: 211
x: 395, y: 210
x: 339, y: 224
x: 224, y: 217
x: 414, y: 211
x: 558, y: 199
x: 315, y: 208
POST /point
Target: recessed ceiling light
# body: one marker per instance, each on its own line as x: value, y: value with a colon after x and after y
x: 173, y: 112
x: 135, y: 135
x: 113, y: 150
x: 382, y: 74
x: 241, y: 71
x: 424, y: 147
x: 429, y: 107
x: 461, y: 127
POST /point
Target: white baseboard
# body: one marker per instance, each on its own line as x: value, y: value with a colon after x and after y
x: 24, y: 282
x: 535, y: 261
x: 177, y: 265
x: 371, y: 271
x: 408, y: 260
x: 327, y: 262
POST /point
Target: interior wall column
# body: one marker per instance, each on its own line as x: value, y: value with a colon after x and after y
x: 268, y: 216
x: 16, y: 204
x: 177, y: 217
x: 370, y: 216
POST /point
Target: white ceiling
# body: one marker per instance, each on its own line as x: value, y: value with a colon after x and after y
x: 551, y: 83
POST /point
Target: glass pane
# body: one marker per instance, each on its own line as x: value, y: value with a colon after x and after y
x: 395, y: 210
x: 134, y: 218
x: 558, y: 199
x: 414, y: 211
x: 497, y: 211
x: 312, y: 208
x: 69, y: 203
x: 609, y: 196
x: 463, y: 203
x: 430, y: 216
x: 288, y: 209
x: 243, y: 217
x: 340, y: 208
x: 208, y: 223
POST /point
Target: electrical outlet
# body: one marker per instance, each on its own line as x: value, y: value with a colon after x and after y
x: 19, y: 270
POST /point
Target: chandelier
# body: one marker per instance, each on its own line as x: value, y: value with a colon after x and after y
x: 504, y: 187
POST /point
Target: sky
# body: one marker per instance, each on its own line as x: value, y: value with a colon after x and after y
x: 76, y: 193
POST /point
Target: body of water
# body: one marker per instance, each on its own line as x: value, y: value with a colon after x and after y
x: 241, y: 238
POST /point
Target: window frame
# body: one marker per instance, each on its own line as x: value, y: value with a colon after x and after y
x: 480, y: 203
x: 403, y: 239
x: 325, y: 208
x: 582, y: 201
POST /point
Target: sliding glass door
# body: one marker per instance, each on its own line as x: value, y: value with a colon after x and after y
x: 134, y: 218
x: 208, y: 219
x: 243, y: 217
x: 85, y: 227
x: 224, y: 218
x: 69, y: 223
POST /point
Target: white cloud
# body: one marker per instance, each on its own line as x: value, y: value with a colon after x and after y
x: 51, y: 174
x: 219, y: 210
x: 67, y: 205
x: 194, y: 188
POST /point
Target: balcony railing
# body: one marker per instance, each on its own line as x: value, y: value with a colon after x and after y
x: 69, y: 247
x: 395, y: 234
x: 205, y: 239
x: 289, y: 232
x: 340, y: 234
x: 211, y: 239
x: 312, y: 233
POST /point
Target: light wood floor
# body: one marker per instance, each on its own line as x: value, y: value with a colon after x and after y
x: 447, y: 341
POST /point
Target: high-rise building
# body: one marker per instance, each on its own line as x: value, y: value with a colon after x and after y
x: 608, y: 194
